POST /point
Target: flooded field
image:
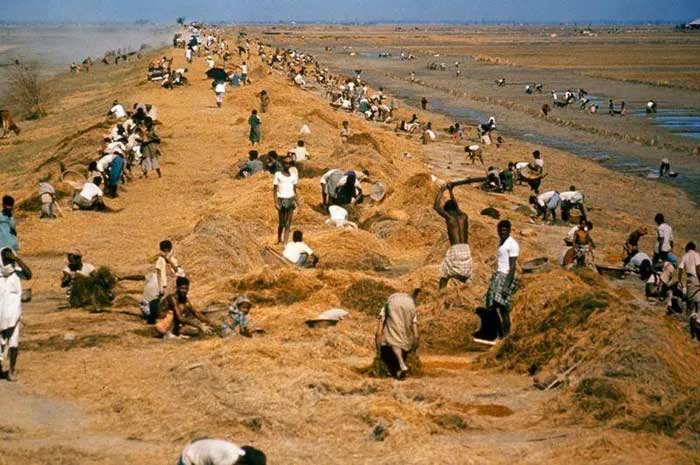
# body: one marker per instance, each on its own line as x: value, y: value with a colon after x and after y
x: 633, y: 144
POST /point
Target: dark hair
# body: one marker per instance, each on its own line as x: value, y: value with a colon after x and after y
x: 92, y: 166
x: 297, y: 236
x: 97, y: 180
x: 255, y: 112
x: 253, y: 154
x: 589, y: 225
x: 252, y: 456
x: 166, y: 245
x: 645, y: 270
x: 532, y: 200
x: 8, y: 201
x: 536, y: 153
x: 182, y: 281
x: 300, y: 143
x: 450, y: 206
x: 572, y: 188
x: 659, y: 218
x: 504, y: 224
x: 690, y: 246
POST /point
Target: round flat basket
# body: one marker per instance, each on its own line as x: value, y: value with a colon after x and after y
x: 536, y: 265
x: 317, y: 323
x: 378, y: 192
x: 529, y: 173
x: 73, y: 178
x: 614, y: 272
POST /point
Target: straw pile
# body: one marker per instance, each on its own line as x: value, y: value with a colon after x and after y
x: 294, y: 385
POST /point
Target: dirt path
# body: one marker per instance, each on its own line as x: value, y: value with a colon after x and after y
x: 30, y: 425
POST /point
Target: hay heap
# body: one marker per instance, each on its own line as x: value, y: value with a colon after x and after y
x: 94, y: 291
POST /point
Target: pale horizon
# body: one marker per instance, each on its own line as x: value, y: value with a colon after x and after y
x: 352, y: 11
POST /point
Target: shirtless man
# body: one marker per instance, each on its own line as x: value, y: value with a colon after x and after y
x: 582, y: 250
x: 458, y: 260
x: 177, y: 311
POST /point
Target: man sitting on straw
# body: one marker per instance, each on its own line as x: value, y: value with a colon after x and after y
x: 90, y: 196
x: 397, y: 332
x: 177, y: 311
x: 299, y: 253
x: 458, y: 260
x: 75, y: 267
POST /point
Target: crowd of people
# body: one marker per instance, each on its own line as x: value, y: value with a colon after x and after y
x: 133, y: 141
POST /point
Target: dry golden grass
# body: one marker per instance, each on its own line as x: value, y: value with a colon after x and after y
x: 301, y: 394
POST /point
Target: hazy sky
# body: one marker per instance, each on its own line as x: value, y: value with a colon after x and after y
x: 165, y: 11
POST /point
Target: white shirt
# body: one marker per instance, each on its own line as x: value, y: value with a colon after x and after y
x: 300, y: 153
x: 293, y: 250
x: 572, y: 196
x: 509, y: 249
x: 86, y: 270
x: 546, y: 198
x: 90, y: 190
x: 117, y: 111
x: 220, y: 88
x: 690, y: 262
x: 244, y: 69
x: 211, y: 452
x: 285, y: 185
x: 638, y: 258
x: 520, y: 165
x: 104, y: 162
x: 113, y: 147
x: 299, y: 80
x: 10, y: 300
x: 665, y: 232
x: 539, y: 162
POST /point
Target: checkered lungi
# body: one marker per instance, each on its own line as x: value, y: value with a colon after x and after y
x: 498, y: 292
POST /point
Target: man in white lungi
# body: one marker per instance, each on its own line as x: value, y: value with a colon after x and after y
x: 11, y: 269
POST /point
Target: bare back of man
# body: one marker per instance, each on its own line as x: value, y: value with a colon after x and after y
x: 458, y: 260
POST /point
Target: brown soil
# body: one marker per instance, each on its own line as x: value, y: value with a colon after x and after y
x: 301, y: 394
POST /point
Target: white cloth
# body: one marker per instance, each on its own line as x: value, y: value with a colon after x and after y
x: 339, y: 215
x: 114, y: 147
x: 211, y: 452
x: 104, y: 162
x: 293, y: 251
x: 299, y: 153
x: 117, y: 111
x: 665, y: 232
x: 86, y: 270
x: 333, y: 314
x: 690, y: 262
x: 547, y: 198
x: 571, y: 196
x: 285, y: 185
x: 539, y: 162
x: 90, y: 190
x: 10, y: 297
x: 520, y: 165
x: 244, y: 69
x: 572, y: 232
x: 637, y: 259
x: 299, y: 80
x: 220, y: 87
x: 509, y: 249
